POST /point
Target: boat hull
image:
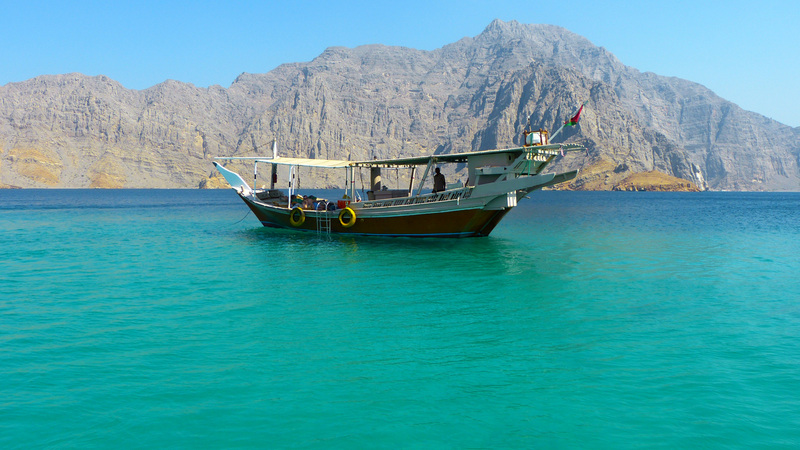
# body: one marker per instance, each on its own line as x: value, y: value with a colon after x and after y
x: 444, y: 221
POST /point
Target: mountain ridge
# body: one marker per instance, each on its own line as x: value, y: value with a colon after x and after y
x: 374, y: 100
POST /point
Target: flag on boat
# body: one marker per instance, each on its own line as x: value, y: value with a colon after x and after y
x: 575, y: 118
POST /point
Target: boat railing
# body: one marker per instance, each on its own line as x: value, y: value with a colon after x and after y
x: 457, y: 195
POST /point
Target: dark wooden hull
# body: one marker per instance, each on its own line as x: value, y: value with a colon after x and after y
x: 447, y: 223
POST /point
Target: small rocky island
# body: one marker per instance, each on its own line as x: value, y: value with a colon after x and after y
x: 655, y: 181
x: 605, y: 175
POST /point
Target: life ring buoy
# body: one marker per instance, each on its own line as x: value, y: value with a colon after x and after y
x: 297, y: 216
x: 351, y: 221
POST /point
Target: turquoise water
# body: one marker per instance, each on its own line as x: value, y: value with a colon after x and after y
x: 603, y: 320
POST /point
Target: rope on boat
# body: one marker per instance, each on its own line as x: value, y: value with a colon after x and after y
x: 245, y: 216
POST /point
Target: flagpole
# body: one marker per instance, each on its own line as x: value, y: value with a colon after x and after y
x: 552, y: 136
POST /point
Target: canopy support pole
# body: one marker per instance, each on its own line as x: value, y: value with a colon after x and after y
x: 292, y: 173
x: 422, y: 181
x: 352, y: 183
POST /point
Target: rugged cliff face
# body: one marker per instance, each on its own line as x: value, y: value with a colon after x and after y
x: 377, y: 101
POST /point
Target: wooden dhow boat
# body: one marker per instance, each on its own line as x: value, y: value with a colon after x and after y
x: 497, y: 180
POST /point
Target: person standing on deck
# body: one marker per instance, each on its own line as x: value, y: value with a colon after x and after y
x: 438, y: 182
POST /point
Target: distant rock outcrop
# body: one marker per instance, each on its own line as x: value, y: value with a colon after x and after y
x: 655, y: 181
x: 214, y: 181
x: 378, y: 101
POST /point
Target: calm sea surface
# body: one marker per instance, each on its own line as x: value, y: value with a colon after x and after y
x: 171, y: 318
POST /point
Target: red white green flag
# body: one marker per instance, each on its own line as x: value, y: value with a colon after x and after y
x: 574, y: 120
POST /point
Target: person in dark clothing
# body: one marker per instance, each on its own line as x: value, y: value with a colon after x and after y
x: 438, y: 182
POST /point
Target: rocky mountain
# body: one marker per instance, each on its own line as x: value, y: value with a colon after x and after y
x: 378, y: 101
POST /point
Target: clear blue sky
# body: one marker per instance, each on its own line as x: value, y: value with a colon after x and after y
x: 747, y: 52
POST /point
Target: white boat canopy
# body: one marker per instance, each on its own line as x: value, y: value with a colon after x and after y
x: 304, y: 162
x: 410, y: 161
x: 463, y: 157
